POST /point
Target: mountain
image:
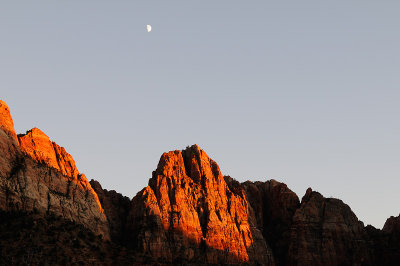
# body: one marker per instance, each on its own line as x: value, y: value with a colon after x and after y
x: 188, y: 214
x: 37, y: 175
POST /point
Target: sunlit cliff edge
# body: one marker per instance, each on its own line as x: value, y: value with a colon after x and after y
x: 188, y: 214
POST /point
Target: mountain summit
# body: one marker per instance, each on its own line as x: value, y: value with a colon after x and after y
x: 188, y: 214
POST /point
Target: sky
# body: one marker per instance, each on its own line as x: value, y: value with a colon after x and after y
x: 304, y: 92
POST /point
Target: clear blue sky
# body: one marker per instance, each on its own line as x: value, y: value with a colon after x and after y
x: 305, y: 92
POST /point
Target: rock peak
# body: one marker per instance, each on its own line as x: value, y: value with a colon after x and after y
x: 307, y: 196
x: 192, y: 162
x: 194, y: 209
x: 194, y: 147
x: 36, y: 131
x: 39, y: 146
x: 392, y: 224
x: 6, y: 121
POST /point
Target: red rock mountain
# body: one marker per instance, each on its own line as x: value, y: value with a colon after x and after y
x: 188, y: 214
x: 38, y: 175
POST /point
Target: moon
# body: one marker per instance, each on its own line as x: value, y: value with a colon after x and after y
x: 148, y: 27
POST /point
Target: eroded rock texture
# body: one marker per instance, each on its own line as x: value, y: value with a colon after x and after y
x: 40, y: 176
x: 29, y: 185
x: 39, y: 146
x: 189, y: 213
x: 326, y: 232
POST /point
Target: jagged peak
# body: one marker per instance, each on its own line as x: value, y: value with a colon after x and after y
x: 191, y: 162
x: 392, y: 224
x: 34, y: 131
x: 6, y: 121
x: 308, y: 194
x: 39, y: 146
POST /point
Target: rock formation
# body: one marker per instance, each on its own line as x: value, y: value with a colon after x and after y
x: 38, y: 145
x: 40, y: 176
x: 326, y: 232
x: 6, y: 121
x: 274, y: 205
x: 392, y: 225
x: 116, y: 208
x: 188, y: 214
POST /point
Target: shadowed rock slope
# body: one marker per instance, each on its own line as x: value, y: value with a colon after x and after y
x: 188, y: 214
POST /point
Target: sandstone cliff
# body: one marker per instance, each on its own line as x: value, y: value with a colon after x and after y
x: 40, y: 176
x: 189, y: 213
x: 39, y: 146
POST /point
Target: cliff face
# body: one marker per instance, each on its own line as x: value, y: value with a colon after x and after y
x: 188, y: 212
x: 39, y: 146
x: 6, y: 121
x: 40, y: 176
x: 274, y: 205
x: 325, y: 231
x: 116, y: 208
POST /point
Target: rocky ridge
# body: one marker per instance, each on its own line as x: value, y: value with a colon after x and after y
x: 38, y: 175
x: 188, y: 214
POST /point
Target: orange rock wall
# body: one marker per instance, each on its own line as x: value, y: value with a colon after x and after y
x: 190, y: 212
x: 6, y: 121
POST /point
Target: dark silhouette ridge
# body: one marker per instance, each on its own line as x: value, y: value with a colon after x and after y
x: 188, y: 214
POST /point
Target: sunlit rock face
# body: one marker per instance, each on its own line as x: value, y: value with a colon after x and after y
x: 188, y: 212
x: 6, y: 121
x: 40, y: 176
x: 39, y: 146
